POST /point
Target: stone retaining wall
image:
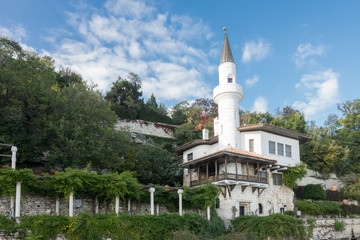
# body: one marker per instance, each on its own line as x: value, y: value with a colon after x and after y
x: 324, y: 228
x: 35, y: 205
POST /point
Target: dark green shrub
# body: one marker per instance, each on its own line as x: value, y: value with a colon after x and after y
x: 276, y: 226
x: 7, y: 225
x: 319, y: 208
x: 350, y: 209
x: 313, y: 191
x: 103, y: 226
x: 290, y: 213
x: 339, y: 226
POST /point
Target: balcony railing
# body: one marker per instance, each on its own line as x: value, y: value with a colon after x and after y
x: 230, y: 176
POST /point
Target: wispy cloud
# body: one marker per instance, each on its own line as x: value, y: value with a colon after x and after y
x: 133, y: 36
x: 305, y: 52
x: 260, y: 105
x: 321, y: 91
x: 17, y: 32
x: 251, y: 81
x: 255, y: 51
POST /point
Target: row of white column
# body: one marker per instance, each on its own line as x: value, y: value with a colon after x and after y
x: 71, y: 198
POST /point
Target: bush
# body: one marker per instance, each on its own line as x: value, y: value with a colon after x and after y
x: 319, y: 208
x: 290, y: 213
x: 103, y: 226
x: 350, y: 209
x: 339, y: 226
x: 276, y: 226
x: 313, y: 191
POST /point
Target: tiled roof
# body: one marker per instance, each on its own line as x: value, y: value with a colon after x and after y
x: 231, y: 151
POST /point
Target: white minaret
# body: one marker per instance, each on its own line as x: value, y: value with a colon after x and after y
x: 227, y: 95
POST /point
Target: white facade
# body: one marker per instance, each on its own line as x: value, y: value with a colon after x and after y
x: 247, y: 162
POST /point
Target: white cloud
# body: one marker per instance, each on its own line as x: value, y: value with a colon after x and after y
x: 255, y: 51
x: 260, y: 105
x: 251, y: 81
x: 16, y: 33
x: 133, y: 36
x: 304, y: 51
x: 321, y: 91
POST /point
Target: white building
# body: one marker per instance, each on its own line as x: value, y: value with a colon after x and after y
x: 247, y: 162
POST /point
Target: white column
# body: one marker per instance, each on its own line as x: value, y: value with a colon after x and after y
x: 96, y: 205
x: 13, y: 157
x: 12, y: 207
x: 129, y: 205
x: 117, y: 203
x: 57, y: 206
x: 208, y: 212
x: 152, y: 190
x: 180, y: 192
x: 17, y: 201
x: 13, y: 166
x: 71, y: 204
x: 157, y: 209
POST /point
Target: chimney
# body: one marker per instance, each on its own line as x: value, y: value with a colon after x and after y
x: 205, y: 134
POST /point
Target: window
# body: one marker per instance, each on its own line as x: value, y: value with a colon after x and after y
x: 230, y: 80
x: 190, y: 156
x: 277, y: 179
x: 251, y: 145
x: 260, y: 209
x: 288, y: 150
x: 280, y: 149
x: 271, y: 147
x: 217, y: 204
x: 241, y: 210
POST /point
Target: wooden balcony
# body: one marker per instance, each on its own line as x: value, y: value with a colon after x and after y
x: 230, y: 176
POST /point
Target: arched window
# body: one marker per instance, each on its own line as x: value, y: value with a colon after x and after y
x: 260, y: 208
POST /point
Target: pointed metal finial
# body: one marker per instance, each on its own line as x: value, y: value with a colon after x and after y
x: 224, y: 28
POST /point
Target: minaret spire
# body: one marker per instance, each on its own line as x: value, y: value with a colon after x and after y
x: 226, y: 55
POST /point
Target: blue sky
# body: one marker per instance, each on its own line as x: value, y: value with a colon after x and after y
x: 303, y: 54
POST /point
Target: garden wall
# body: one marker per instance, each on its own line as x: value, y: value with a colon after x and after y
x: 35, y: 205
x: 324, y: 228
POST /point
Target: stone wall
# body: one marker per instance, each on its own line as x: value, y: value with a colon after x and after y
x: 35, y: 205
x: 324, y: 228
x: 148, y: 128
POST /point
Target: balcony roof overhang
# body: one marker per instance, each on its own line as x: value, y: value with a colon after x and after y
x: 239, y: 154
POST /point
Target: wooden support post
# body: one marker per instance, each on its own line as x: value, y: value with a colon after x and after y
x: 225, y: 167
x: 247, y: 170
x: 198, y: 173
x: 258, y: 171
x: 216, y: 170
x: 236, y: 169
x: 207, y: 172
x: 190, y: 171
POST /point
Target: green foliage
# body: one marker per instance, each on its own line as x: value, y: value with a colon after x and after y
x: 202, y: 196
x: 350, y: 209
x: 290, y: 213
x: 9, y: 177
x: 7, y: 225
x: 339, y: 226
x: 313, y: 191
x: 293, y: 174
x: 54, y: 118
x: 290, y: 118
x: 319, y: 208
x: 104, y: 226
x: 311, y: 227
x: 276, y: 226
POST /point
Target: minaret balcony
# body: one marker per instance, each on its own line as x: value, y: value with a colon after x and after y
x: 230, y: 88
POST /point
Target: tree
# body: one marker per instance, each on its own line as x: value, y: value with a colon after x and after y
x: 247, y: 118
x: 125, y: 96
x: 64, y: 77
x: 179, y: 113
x: 290, y: 118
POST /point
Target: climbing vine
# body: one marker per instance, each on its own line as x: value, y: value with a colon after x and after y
x: 293, y: 174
